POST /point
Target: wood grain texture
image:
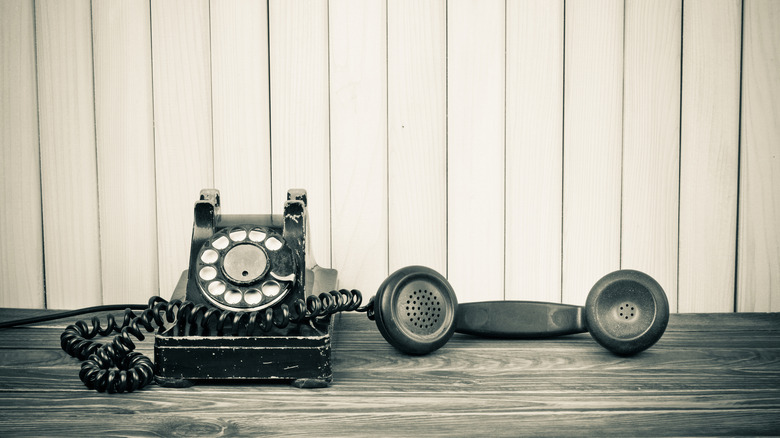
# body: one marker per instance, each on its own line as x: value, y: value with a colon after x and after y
x: 358, y: 135
x: 67, y: 148
x: 417, y: 134
x: 457, y: 416
x: 534, y: 149
x: 592, y: 140
x: 241, y: 106
x: 298, y: 32
x: 124, y: 126
x: 758, y: 264
x: 711, y: 374
x: 21, y: 253
x: 475, y: 148
x: 651, y: 141
x: 182, y: 126
x: 709, y: 153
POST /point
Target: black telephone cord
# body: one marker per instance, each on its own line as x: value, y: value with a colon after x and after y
x: 69, y: 313
x: 116, y: 367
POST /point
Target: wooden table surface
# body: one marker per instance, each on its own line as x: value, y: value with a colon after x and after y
x: 711, y: 374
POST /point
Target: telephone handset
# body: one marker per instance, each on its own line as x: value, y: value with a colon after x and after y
x: 416, y: 311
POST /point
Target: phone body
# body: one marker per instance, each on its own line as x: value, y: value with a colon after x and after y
x: 241, y: 265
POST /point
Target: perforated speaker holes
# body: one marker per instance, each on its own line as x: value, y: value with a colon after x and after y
x: 423, y: 308
x: 627, y: 310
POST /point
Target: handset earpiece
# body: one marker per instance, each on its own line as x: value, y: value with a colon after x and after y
x: 416, y: 311
x: 626, y: 312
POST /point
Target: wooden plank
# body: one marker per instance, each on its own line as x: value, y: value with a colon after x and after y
x: 182, y: 126
x: 758, y: 263
x: 709, y: 152
x: 298, y: 35
x: 651, y: 136
x: 593, y: 101
x: 283, y: 401
x: 125, y: 150
x: 353, y: 374
x: 475, y: 155
x: 358, y: 133
x: 21, y: 254
x: 67, y: 147
x: 534, y: 149
x: 241, y: 107
x: 456, y: 416
x: 417, y: 134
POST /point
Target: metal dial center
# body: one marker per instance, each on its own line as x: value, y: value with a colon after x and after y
x: 245, y: 263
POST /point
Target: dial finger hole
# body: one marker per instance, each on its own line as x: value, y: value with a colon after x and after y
x: 209, y: 256
x: 271, y: 288
x: 257, y: 235
x: 216, y: 288
x: 232, y: 296
x: 253, y: 296
x: 221, y: 243
x: 208, y: 273
x: 273, y: 244
x: 237, y: 235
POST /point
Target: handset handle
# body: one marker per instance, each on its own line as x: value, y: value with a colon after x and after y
x: 519, y: 319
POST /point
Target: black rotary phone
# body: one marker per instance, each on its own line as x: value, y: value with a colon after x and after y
x: 254, y: 305
x: 254, y: 311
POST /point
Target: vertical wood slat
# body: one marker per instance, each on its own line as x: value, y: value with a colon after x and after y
x: 593, y: 98
x: 183, y: 136
x: 299, y: 112
x: 358, y: 139
x: 758, y: 265
x: 709, y: 150
x: 241, y: 108
x: 534, y: 140
x: 651, y: 135
x: 67, y: 147
x: 475, y: 139
x: 125, y: 150
x: 21, y: 252
x: 417, y: 134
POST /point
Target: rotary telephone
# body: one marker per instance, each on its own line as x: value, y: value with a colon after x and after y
x: 253, y: 304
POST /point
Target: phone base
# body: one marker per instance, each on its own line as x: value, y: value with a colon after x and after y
x: 299, y: 354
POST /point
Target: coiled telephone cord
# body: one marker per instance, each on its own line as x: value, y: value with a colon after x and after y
x: 116, y: 367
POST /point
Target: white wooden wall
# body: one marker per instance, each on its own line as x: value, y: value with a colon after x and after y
x: 524, y: 148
